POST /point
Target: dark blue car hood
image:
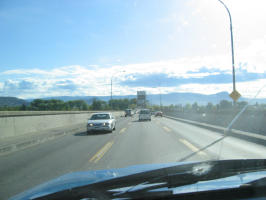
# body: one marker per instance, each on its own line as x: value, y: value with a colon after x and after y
x: 76, y: 179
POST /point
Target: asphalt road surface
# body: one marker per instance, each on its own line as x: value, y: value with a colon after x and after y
x: 161, y: 140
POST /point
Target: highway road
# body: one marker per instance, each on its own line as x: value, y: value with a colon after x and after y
x: 159, y: 141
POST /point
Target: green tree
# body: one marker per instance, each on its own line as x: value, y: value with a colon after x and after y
x: 209, y: 107
x: 224, y: 104
x: 241, y: 104
x: 23, y: 107
x: 188, y: 107
x: 121, y: 104
x: 195, y: 106
x: 98, y: 104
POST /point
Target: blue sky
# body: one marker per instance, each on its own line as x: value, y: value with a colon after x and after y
x: 55, y: 47
x: 60, y: 33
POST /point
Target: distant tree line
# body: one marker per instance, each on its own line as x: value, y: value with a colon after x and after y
x: 122, y: 104
x: 222, y: 106
x: 76, y: 105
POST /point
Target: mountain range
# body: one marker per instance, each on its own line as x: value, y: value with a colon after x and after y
x: 166, y: 99
x: 12, y: 101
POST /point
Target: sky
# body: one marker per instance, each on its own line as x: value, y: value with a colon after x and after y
x: 75, y: 48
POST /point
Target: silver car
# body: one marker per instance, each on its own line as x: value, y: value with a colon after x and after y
x: 101, y: 122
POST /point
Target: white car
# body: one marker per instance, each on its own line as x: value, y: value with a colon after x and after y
x: 101, y: 122
x: 144, y: 114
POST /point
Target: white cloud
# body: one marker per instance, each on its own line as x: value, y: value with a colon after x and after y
x: 95, y: 80
x: 24, y: 72
x: 80, y: 80
x: 207, y: 19
x: 56, y: 72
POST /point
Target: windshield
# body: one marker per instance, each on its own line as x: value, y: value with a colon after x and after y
x: 100, y: 116
x: 172, y: 81
x: 144, y: 112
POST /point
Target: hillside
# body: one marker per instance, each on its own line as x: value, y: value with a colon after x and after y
x: 11, y: 101
x: 87, y: 99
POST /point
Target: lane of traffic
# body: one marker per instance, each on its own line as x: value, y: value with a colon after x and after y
x: 158, y: 141
x: 49, y: 160
x: 145, y: 143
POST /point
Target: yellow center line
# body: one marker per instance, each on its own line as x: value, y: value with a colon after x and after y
x: 122, y: 130
x: 167, y: 129
x: 191, y: 146
x: 101, y: 152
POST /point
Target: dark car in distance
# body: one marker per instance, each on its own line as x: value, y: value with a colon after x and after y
x: 159, y: 114
x: 128, y: 113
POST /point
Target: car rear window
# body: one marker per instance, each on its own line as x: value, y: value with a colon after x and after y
x: 100, y: 116
x: 144, y: 112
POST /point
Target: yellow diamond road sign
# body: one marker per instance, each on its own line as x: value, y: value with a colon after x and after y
x: 235, y: 95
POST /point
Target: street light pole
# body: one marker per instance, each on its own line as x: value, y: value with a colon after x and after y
x: 160, y: 96
x: 111, y: 93
x: 112, y: 89
x: 160, y: 100
x: 232, y: 45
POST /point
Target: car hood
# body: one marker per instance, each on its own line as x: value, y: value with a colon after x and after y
x: 192, y: 169
x: 99, y: 121
x: 76, y: 179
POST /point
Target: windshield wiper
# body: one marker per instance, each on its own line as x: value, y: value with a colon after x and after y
x: 169, y: 177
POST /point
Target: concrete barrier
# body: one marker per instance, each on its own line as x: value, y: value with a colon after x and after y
x: 253, y: 137
x: 20, y: 130
x: 37, y: 113
x: 17, y: 124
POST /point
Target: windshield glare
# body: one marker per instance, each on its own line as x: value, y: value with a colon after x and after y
x: 89, y: 86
